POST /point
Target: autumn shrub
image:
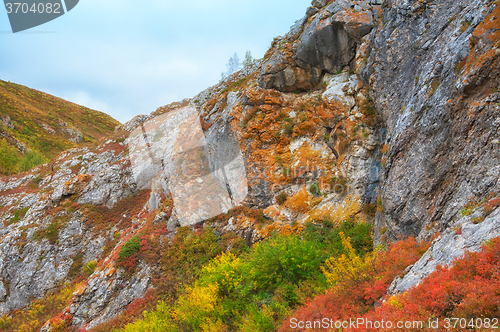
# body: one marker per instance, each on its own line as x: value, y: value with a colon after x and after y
x: 76, y: 266
x: 370, y: 209
x: 198, y: 306
x: 190, y: 251
x: 250, y: 115
x: 100, y: 217
x: 246, y: 290
x: 89, y: 267
x: 349, y: 266
x: 288, y: 128
x: 299, y: 202
x: 352, y: 295
x: 336, y: 213
x: 225, y: 271
x: 158, y: 320
x: 469, y: 290
x: 40, y: 311
x: 434, y: 86
x: 343, y: 146
x: 51, y: 232
x: 314, y: 189
x: 127, y: 257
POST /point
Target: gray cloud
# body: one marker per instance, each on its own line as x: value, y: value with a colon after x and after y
x: 126, y: 57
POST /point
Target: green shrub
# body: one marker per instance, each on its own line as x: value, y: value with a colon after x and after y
x: 30, y: 160
x: 9, y: 159
x: 19, y: 214
x: 11, y: 163
x: 314, y: 189
x: 281, y: 197
x: 89, y: 267
x: 130, y: 247
x: 282, y: 259
x: 359, y: 232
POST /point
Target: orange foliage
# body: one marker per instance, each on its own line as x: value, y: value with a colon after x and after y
x: 489, y: 27
x: 299, y: 202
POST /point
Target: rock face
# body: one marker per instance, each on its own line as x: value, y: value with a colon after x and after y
x: 32, y: 261
x: 13, y: 141
x: 433, y: 72
x: 324, y: 40
x: 6, y: 121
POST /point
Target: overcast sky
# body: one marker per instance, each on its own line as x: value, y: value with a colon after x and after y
x: 130, y: 57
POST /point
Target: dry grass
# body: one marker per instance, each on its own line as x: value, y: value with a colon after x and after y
x: 336, y: 213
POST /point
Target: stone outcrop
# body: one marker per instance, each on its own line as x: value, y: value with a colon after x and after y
x: 324, y: 40
x: 11, y: 140
x: 6, y: 121
x: 75, y: 135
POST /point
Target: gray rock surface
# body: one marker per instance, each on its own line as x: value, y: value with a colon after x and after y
x: 6, y: 121
x: 33, y: 263
x: 323, y: 41
x: 441, y: 132
x: 75, y: 135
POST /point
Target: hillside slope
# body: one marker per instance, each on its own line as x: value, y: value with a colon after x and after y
x: 46, y: 125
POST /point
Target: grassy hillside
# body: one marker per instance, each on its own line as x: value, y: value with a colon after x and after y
x: 45, y: 125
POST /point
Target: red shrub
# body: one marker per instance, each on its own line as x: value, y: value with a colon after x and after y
x: 470, y: 289
x: 356, y: 299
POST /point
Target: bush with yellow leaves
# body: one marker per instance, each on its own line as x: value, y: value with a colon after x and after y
x: 350, y: 266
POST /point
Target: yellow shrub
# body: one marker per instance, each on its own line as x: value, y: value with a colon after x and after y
x: 198, y: 304
x: 223, y: 271
x: 350, y: 266
x: 158, y: 320
x: 211, y: 325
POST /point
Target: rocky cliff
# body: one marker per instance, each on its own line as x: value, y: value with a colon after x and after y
x: 383, y: 111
